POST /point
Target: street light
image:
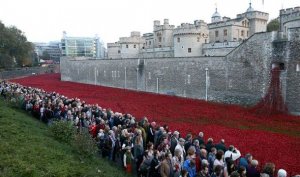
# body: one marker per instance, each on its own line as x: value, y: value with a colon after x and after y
x: 157, y: 85
x: 125, y: 79
x: 137, y: 78
x: 206, y: 84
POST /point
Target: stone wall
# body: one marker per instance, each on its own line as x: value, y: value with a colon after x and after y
x: 152, y: 75
x: 22, y: 72
x: 248, y: 69
x: 293, y: 76
x: 241, y: 77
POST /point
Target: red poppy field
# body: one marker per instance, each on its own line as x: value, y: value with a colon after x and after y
x: 273, y: 138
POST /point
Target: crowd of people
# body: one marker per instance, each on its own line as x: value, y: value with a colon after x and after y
x: 142, y: 147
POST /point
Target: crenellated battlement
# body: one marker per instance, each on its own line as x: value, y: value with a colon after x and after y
x: 197, y: 28
x: 289, y: 11
x: 110, y: 45
x: 166, y: 26
x: 290, y: 16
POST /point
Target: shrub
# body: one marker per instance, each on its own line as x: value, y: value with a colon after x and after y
x: 62, y: 131
x: 84, y: 144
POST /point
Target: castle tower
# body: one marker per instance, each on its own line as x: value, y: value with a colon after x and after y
x: 189, y: 39
x: 257, y: 20
x: 162, y: 34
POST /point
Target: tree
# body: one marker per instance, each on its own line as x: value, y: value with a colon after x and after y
x: 45, y: 55
x: 273, y: 25
x: 15, y: 50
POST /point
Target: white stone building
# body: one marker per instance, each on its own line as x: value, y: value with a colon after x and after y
x: 126, y: 47
x: 160, y: 42
x: 217, y: 38
x: 189, y: 39
x: 238, y: 29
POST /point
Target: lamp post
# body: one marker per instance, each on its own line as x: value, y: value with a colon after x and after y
x: 125, y: 75
x: 137, y: 78
x: 206, y: 84
x: 157, y: 85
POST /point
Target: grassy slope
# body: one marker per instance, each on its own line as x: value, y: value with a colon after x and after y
x: 27, y: 149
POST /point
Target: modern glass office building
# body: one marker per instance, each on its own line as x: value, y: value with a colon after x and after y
x: 82, y: 46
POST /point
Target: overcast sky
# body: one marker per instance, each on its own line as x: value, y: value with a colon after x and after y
x: 45, y: 20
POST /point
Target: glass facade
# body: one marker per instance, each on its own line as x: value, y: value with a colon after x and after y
x: 81, y: 46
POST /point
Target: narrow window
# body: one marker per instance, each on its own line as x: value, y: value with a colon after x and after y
x: 217, y: 33
x: 134, y: 46
x: 225, y: 32
x: 119, y: 51
x: 159, y: 39
x: 189, y: 50
x: 178, y: 39
x: 126, y: 45
x: 198, y: 39
x: 242, y: 33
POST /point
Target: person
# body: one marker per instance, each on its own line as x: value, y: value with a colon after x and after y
x: 268, y: 170
x: 184, y: 173
x: 138, y: 149
x: 245, y: 161
x: 233, y: 153
x: 253, y: 170
x: 200, y: 138
x: 211, y: 158
x: 180, y: 146
x: 281, y: 173
x: 178, y: 162
x: 127, y: 160
x: 145, y: 165
x: 151, y: 132
x: 174, y: 141
x: 204, y: 171
x: 209, y: 145
x: 221, y: 146
x: 190, y: 167
x: 218, y: 171
x: 166, y: 168
x: 197, y: 147
x: 242, y: 171
x: 229, y: 168
x: 219, y: 159
x: 188, y: 142
x: 155, y: 164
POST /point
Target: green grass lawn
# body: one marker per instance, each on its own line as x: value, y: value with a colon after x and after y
x: 27, y: 149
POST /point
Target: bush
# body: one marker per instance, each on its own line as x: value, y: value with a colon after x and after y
x: 62, y: 131
x: 84, y: 144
